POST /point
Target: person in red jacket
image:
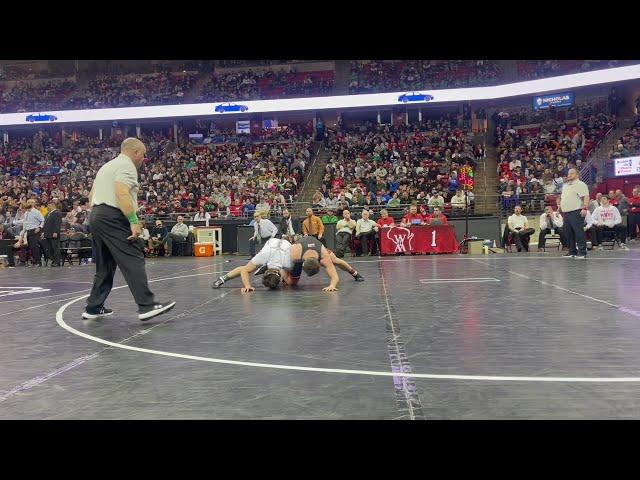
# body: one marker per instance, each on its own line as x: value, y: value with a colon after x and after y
x: 437, y: 218
x: 633, y: 219
x: 412, y: 218
x: 385, y: 220
x: 236, y: 209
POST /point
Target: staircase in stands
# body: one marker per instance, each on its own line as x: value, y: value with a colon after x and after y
x: 313, y: 179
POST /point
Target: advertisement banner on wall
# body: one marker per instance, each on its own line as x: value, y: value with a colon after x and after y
x: 529, y: 88
x: 243, y: 126
x: 627, y: 166
x: 543, y: 102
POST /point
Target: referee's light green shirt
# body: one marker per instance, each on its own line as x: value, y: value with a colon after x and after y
x: 120, y: 169
x: 572, y: 192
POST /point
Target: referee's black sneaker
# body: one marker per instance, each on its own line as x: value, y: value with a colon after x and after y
x: 150, y: 311
x: 97, y: 313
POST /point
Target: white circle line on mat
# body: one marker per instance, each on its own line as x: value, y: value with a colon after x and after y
x: 275, y: 366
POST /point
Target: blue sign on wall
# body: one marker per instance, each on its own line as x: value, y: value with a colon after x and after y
x: 542, y: 102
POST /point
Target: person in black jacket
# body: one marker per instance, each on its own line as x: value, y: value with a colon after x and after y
x: 286, y: 228
x: 51, y: 233
x: 6, y: 248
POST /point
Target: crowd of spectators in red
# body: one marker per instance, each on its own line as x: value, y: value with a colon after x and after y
x: 227, y: 180
x: 387, y: 166
x: 533, y: 161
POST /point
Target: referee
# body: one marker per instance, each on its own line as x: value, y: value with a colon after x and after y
x: 115, y: 229
x: 574, y: 203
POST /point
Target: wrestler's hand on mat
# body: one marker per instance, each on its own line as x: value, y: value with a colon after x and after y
x: 330, y: 288
x: 247, y: 290
x: 135, y: 231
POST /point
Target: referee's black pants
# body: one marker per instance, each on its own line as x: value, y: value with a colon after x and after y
x: 110, y: 230
x: 254, y: 243
x: 574, y: 233
x: 33, y: 240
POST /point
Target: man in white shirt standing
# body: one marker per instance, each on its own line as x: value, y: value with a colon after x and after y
x: 263, y: 231
x: 115, y: 228
x: 607, y: 218
x: 549, y: 221
x: 574, y: 203
x: 519, y: 228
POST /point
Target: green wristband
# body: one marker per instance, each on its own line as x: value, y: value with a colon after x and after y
x: 133, y: 218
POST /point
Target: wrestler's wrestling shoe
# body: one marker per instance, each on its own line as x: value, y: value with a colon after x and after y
x: 261, y: 270
x: 358, y: 278
x: 218, y: 283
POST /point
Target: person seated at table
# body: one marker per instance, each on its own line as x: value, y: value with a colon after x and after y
x: 385, y: 221
x: 412, y: 218
x: 366, y: 230
x: 550, y: 220
x: 607, y: 218
x: 437, y: 218
x: 344, y: 230
x: 519, y: 228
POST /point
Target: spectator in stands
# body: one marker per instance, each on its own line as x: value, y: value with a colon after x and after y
x: 607, y: 218
x: 179, y: 233
x: 236, y: 209
x: 331, y: 202
x: 519, y: 229
x: 344, y: 231
x: 634, y: 213
x: 318, y: 201
x: 385, y: 221
x: 549, y: 221
x: 263, y: 231
x: 412, y: 218
x: 394, y: 201
x: 435, y: 200
x: 202, y: 215
x: 329, y: 217
x: 437, y: 218
x: 459, y: 202
x: 366, y: 230
x: 313, y: 226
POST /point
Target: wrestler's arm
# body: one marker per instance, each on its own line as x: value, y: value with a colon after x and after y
x: 333, y: 274
x: 244, y: 275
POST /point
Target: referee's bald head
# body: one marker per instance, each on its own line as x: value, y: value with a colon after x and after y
x: 134, y: 149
